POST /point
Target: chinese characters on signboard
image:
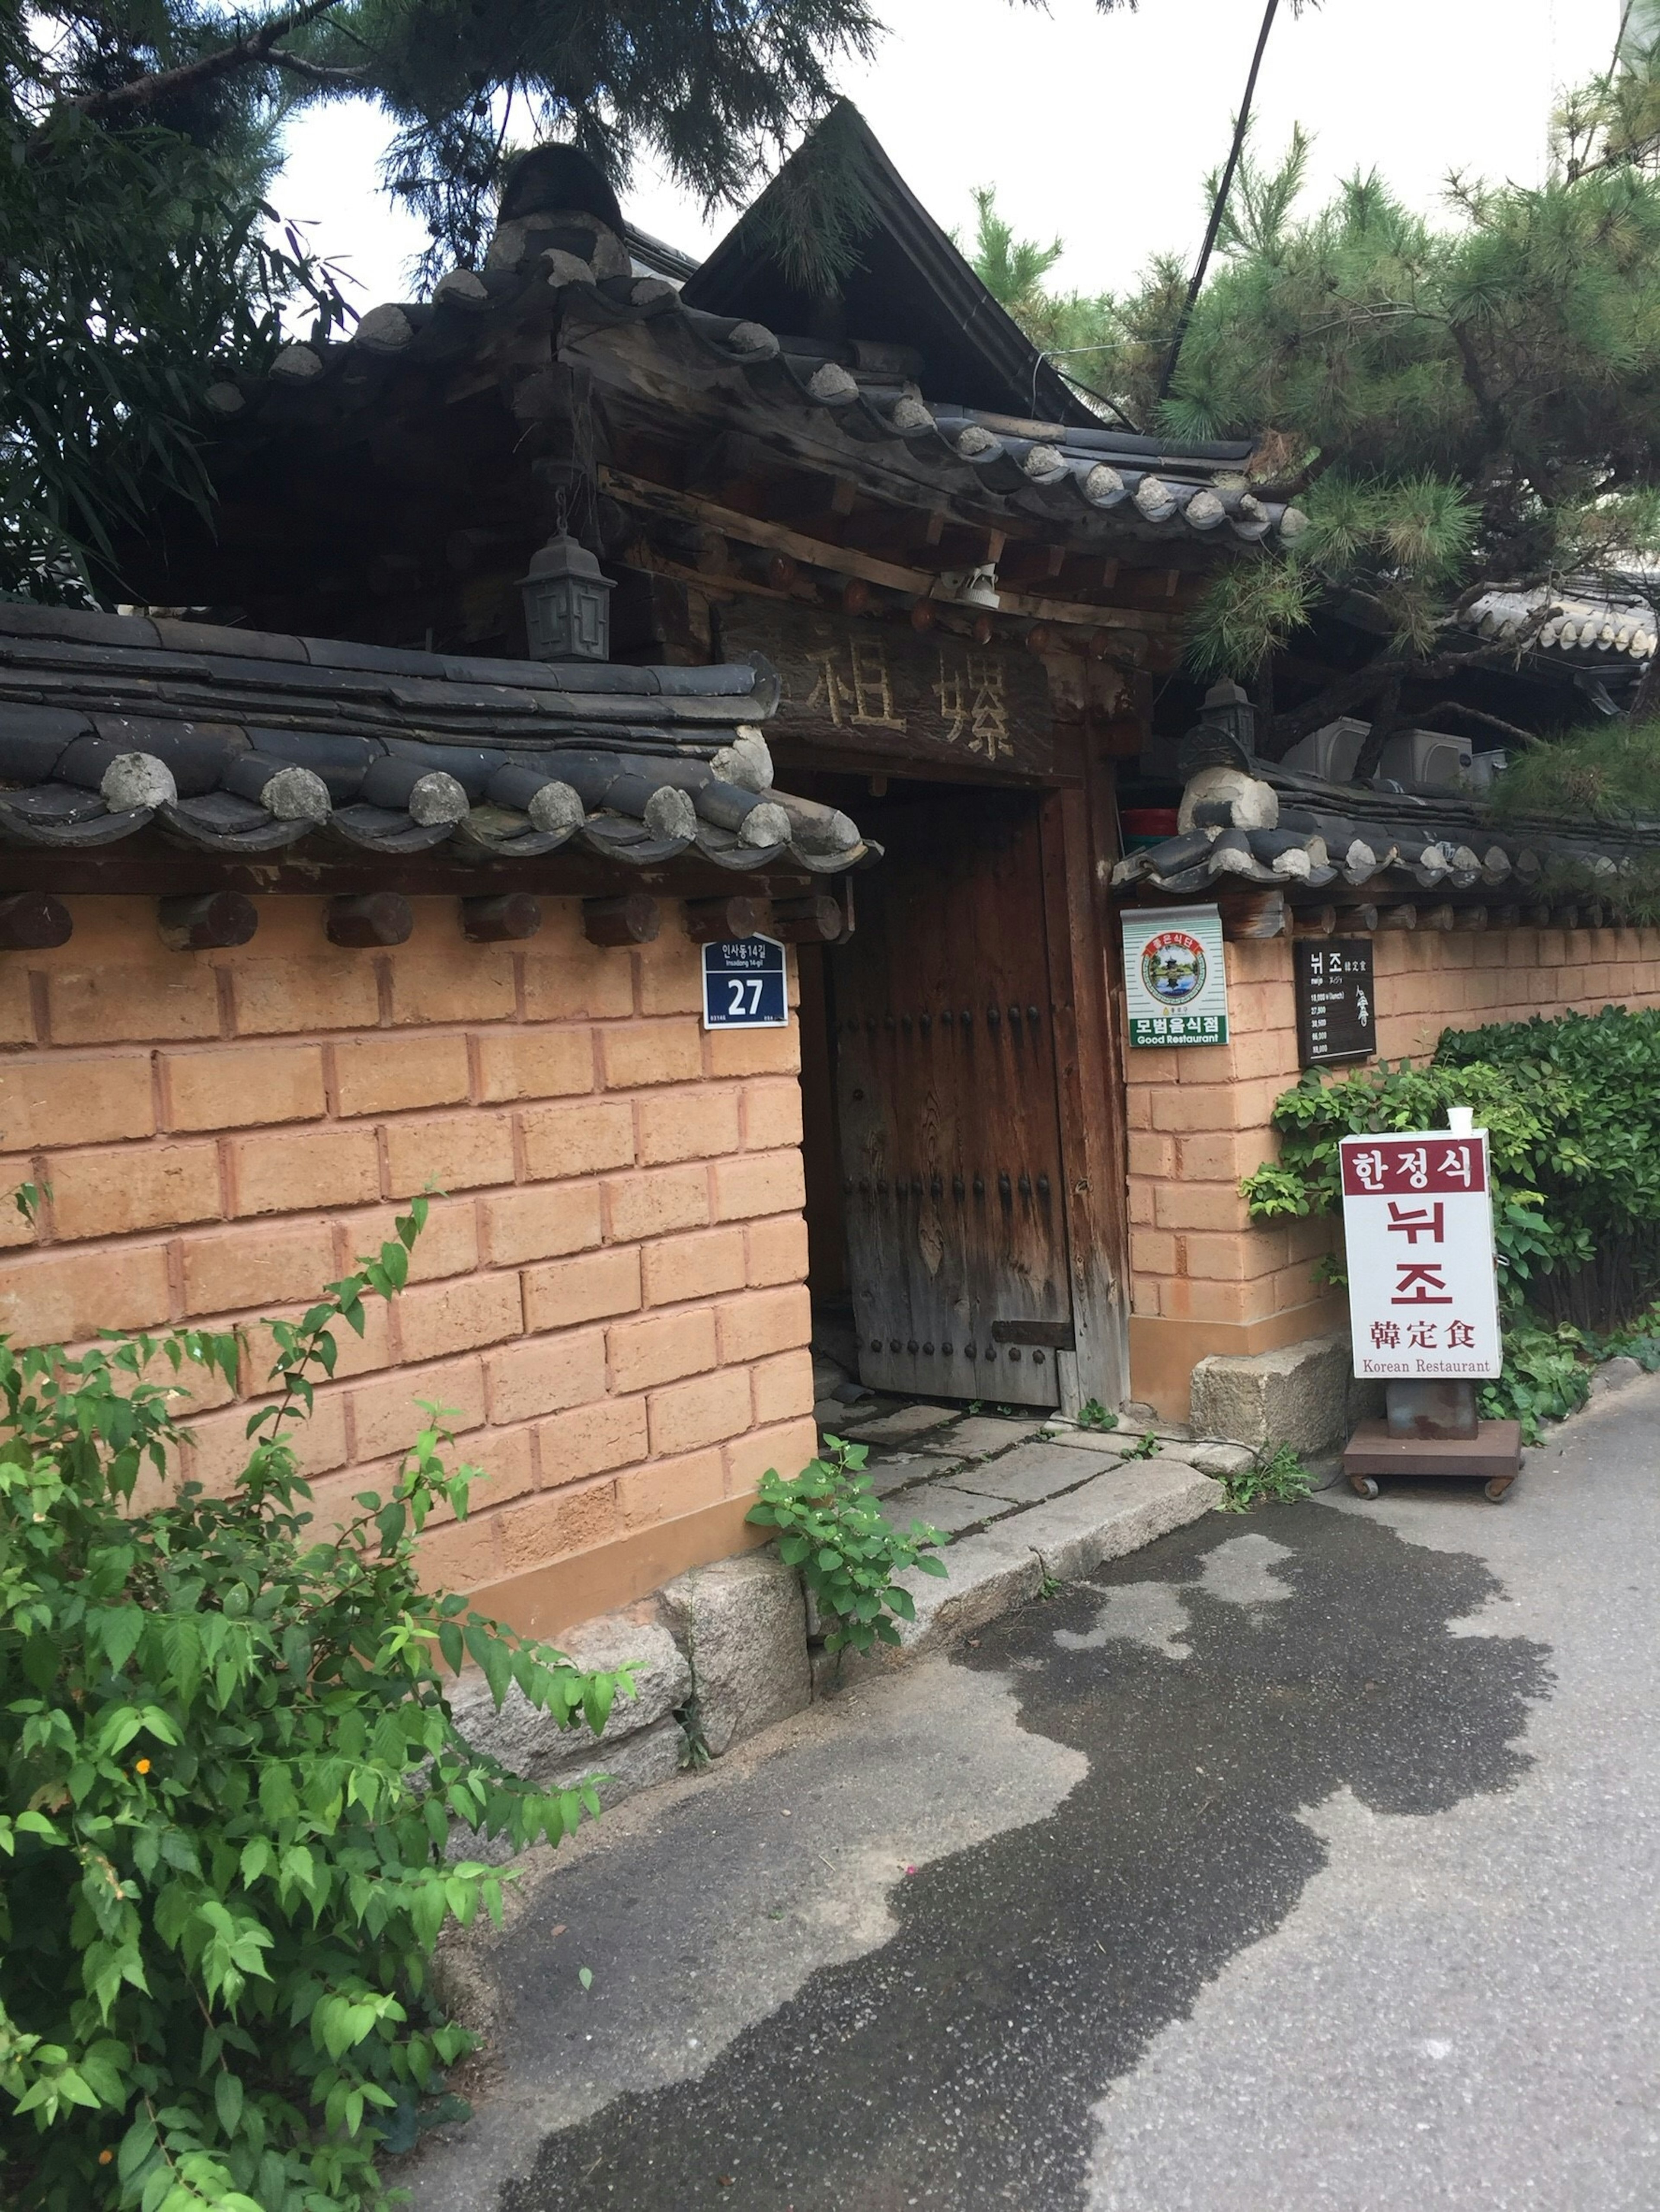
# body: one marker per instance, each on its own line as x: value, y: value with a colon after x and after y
x: 861, y: 686
x: 1176, y: 984
x: 1418, y: 1226
x: 1336, y: 1004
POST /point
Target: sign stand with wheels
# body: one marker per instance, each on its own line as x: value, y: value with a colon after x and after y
x: 1423, y: 1306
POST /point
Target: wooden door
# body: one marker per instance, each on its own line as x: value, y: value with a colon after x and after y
x: 946, y: 1094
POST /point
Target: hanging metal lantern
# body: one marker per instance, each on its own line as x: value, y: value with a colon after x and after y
x: 1224, y: 735
x: 1226, y: 707
x: 566, y: 602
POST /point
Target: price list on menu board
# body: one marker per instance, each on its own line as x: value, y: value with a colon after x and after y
x: 1335, y: 1003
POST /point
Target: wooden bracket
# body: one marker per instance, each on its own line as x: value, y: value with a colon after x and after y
x: 30, y: 922
x: 815, y: 919
x: 1313, y: 921
x: 376, y: 918
x: 718, y: 920
x: 209, y: 919
x: 634, y: 918
x: 505, y: 919
x: 1253, y: 913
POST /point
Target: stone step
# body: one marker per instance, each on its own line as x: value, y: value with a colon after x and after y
x: 1119, y: 1511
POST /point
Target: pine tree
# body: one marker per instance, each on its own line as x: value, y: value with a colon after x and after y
x: 1452, y: 403
x: 138, y: 139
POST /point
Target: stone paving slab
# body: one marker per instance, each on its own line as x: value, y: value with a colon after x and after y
x: 981, y: 1433
x: 1117, y: 1512
x: 887, y: 1475
x: 942, y: 1505
x: 1031, y: 1473
x: 1066, y: 1537
x: 907, y: 1421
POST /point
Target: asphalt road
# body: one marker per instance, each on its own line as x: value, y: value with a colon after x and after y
x: 1304, y: 1861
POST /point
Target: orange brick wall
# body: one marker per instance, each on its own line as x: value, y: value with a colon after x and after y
x: 1203, y: 1280
x: 612, y: 1294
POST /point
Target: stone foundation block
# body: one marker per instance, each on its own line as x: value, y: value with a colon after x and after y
x: 990, y: 1574
x: 526, y: 1741
x: 1302, y: 1395
x: 743, y: 1625
x: 653, y: 1755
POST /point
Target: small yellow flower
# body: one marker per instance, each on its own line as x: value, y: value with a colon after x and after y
x: 142, y: 1767
x: 104, y: 2156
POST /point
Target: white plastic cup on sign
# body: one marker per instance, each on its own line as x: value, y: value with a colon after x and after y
x: 1461, y: 1120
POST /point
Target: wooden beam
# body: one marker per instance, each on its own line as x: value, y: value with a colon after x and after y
x: 376, y: 918
x: 719, y: 921
x: 504, y: 919
x: 815, y: 919
x: 30, y: 922
x: 1253, y: 913
x: 1077, y: 829
x: 634, y: 918
x: 1313, y: 921
x: 845, y: 561
x: 211, y: 919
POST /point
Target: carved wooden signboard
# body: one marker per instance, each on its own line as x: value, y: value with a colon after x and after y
x: 858, y: 686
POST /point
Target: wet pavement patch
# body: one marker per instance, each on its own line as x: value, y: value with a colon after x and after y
x: 1219, y: 1683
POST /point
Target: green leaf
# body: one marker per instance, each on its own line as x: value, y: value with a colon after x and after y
x: 228, y: 2102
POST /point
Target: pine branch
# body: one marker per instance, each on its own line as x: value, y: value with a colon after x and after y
x: 254, y: 50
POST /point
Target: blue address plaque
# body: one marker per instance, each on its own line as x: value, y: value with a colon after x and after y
x: 745, y: 986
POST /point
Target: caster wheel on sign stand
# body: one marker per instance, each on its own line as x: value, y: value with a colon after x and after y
x: 1496, y: 1489
x: 1363, y: 1486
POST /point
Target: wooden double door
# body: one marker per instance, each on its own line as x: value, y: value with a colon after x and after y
x: 946, y: 1074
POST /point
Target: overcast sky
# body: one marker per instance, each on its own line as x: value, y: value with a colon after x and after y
x: 1100, y: 128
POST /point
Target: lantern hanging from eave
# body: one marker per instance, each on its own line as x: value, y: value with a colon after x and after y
x: 566, y: 602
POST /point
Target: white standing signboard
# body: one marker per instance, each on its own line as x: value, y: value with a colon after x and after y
x: 1175, y: 978
x: 1418, y: 1224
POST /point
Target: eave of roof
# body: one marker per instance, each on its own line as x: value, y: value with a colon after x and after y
x: 1394, y: 845
x: 1085, y: 480
x: 240, y: 743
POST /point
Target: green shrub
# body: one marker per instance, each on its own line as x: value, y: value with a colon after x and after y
x: 1523, y: 1122
x: 1546, y: 1375
x: 830, y: 1526
x: 230, y: 1776
x: 1597, y: 1170
x: 1572, y: 1106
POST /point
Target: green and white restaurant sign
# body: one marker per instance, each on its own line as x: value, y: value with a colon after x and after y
x: 1176, y: 983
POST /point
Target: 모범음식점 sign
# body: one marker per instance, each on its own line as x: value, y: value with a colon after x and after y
x: 1176, y: 983
x: 745, y: 986
x: 1418, y: 1229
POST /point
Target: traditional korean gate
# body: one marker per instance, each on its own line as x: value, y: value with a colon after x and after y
x: 946, y: 1076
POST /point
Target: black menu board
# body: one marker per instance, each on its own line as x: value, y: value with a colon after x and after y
x: 1336, y: 1006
